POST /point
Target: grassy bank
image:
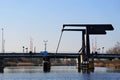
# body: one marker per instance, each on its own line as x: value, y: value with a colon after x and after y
x: 107, y: 63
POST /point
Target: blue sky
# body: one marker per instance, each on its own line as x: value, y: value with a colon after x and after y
x: 43, y: 20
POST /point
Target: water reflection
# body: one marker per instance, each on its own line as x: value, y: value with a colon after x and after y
x: 86, y: 76
x: 57, y: 73
x: 86, y: 71
x: 113, y: 70
x: 34, y: 69
x: 23, y: 69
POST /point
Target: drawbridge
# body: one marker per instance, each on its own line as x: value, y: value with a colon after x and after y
x: 84, y: 57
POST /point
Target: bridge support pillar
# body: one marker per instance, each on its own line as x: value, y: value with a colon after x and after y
x: 46, y: 64
x: 1, y: 65
x: 82, y: 65
x: 85, y: 66
x: 91, y: 62
x: 79, y: 64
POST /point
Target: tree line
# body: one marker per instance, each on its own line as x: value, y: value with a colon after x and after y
x: 115, y: 49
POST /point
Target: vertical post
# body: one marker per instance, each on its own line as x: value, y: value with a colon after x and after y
x: 3, y: 41
x: 1, y: 65
x: 90, y: 59
x: 45, y: 44
x: 102, y: 49
x: 83, y: 44
x: 87, y: 44
x: 34, y: 49
x: 87, y: 47
x: 31, y: 45
x: 79, y: 64
x: 26, y: 50
x: 23, y: 49
x: 81, y: 57
x: 46, y: 64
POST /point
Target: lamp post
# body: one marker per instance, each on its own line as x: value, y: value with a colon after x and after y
x: 3, y: 41
x: 98, y: 50
x: 102, y: 49
x: 23, y: 49
x: 26, y: 50
x: 45, y: 41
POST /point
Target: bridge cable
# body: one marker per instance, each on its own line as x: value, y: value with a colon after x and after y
x: 59, y: 42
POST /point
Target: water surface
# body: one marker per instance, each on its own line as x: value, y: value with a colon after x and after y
x: 58, y: 73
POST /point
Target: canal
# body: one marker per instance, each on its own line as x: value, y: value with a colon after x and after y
x: 58, y: 73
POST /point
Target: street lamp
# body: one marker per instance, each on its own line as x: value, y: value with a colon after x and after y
x: 26, y: 50
x: 45, y: 41
x: 23, y: 49
x: 102, y: 49
x: 98, y: 50
x: 3, y: 41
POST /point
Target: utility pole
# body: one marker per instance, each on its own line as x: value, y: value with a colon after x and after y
x: 45, y: 41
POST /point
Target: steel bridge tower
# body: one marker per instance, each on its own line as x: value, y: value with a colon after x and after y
x: 86, y: 61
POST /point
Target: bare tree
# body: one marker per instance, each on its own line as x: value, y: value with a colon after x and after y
x: 115, y: 49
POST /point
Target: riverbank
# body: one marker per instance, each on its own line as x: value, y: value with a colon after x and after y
x: 34, y: 62
x: 107, y: 63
